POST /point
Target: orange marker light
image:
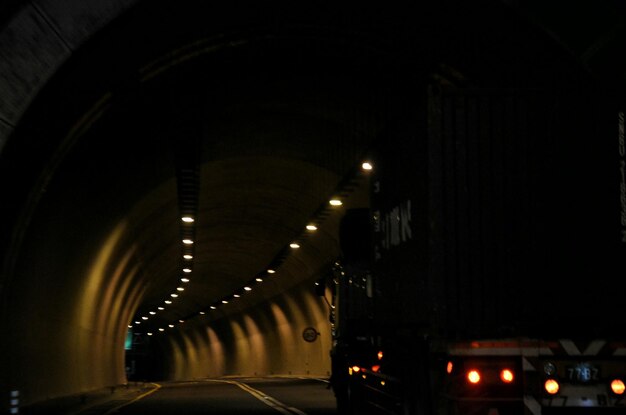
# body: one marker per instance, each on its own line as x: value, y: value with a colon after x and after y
x: 356, y: 368
x: 617, y: 386
x: 473, y: 376
x: 449, y: 367
x: 506, y: 375
x: 380, y: 355
x: 375, y: 368
x: 551, y: 386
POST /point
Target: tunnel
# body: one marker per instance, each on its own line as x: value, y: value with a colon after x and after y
x: 160, y: 160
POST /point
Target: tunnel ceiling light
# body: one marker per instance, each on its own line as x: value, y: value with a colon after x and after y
x: 311, y: 227
x: 181, y: 321
x: 149, y: 334
x: 180, y: 289
x: 168, y: 301
x: 161, y: 308
x: 236, y: 295
x: 174, y: 295
x: 184, y: 279
x: 153, y: 312
x: 188, y: 219
x: 213, y: 307
x: 366, y: 165
x: 202, y: 312
x: 187, y: 241
x: 224, y: 302
x: 187, y: 270
x: 144, y: 318
x: 161, y: 329
x: 259, y: 279
x: 170, y: 326
x: 188, y: 256
x: 271, y: 271
x: 294, y: 245
x: 335, y: 202
x: 130, y: 326
x: 247, y: 288
x: 137, y: 322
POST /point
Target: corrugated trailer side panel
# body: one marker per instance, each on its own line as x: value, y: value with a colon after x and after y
x: 513, y: 207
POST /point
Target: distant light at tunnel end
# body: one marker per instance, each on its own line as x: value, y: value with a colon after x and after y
x: 335, y: 202
x: 366, y: 165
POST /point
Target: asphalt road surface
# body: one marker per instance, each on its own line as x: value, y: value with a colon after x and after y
x: 274, y: 395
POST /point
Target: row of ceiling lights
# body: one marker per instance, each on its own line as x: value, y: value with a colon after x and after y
x: 188, y: 257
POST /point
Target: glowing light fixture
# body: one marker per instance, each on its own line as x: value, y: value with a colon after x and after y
x: 153, y: 312
x: 184, y: 279
x: 180, y: 289
x: 181, y: 321
x: 187, y: 256
x: 161, y: 329
x: 236, y: 295
x: 259, y: 280
x: 449, y: 367
x: 247, y: 288
x: 188, y: 219
x: 149, y: 334
x: 144, y: 318
x: 137, y: 322
x: 311, y: 227
x: 173, y: 295
x: 294, y: 245
x: 187, y: 241
x: 224, y: 302
x: 366, y: 165
x: 187, y: 270
x: 271, y: 271
x: 213, y: 307
x: 170, y: 326
x: 168, y: 301
x: 160, y: 308
x: 202, y: 312
x: 335, y: 202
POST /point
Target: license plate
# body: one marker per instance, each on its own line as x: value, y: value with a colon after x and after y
x: 583, y: 373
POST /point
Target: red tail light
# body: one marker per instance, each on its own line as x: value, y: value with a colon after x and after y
x: 473, y: 376
x: 506, y: 375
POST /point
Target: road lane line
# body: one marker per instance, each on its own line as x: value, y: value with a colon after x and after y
x: 117, y: 408
x: 266, y: 399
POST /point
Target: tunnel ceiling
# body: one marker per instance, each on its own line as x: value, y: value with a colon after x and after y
x: 250, y: 132
x: 248, y: 118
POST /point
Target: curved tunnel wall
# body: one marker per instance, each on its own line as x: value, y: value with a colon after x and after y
x: 70, y: 304
x: 265, y: 340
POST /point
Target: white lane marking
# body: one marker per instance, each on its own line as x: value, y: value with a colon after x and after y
x: 117, y: 408
x: 266, y: 399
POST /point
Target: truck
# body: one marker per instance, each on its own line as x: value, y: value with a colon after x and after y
x: 484, y: 276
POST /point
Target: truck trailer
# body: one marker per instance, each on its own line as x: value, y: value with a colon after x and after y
x: 485, y: 276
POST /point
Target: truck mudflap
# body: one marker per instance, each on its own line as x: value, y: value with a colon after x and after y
x: 535, y: 377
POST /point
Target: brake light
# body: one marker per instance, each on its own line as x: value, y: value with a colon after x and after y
x: 473, y: 376
x: 617, y: 386
x: 506, y: 375
x: 551, y: 386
